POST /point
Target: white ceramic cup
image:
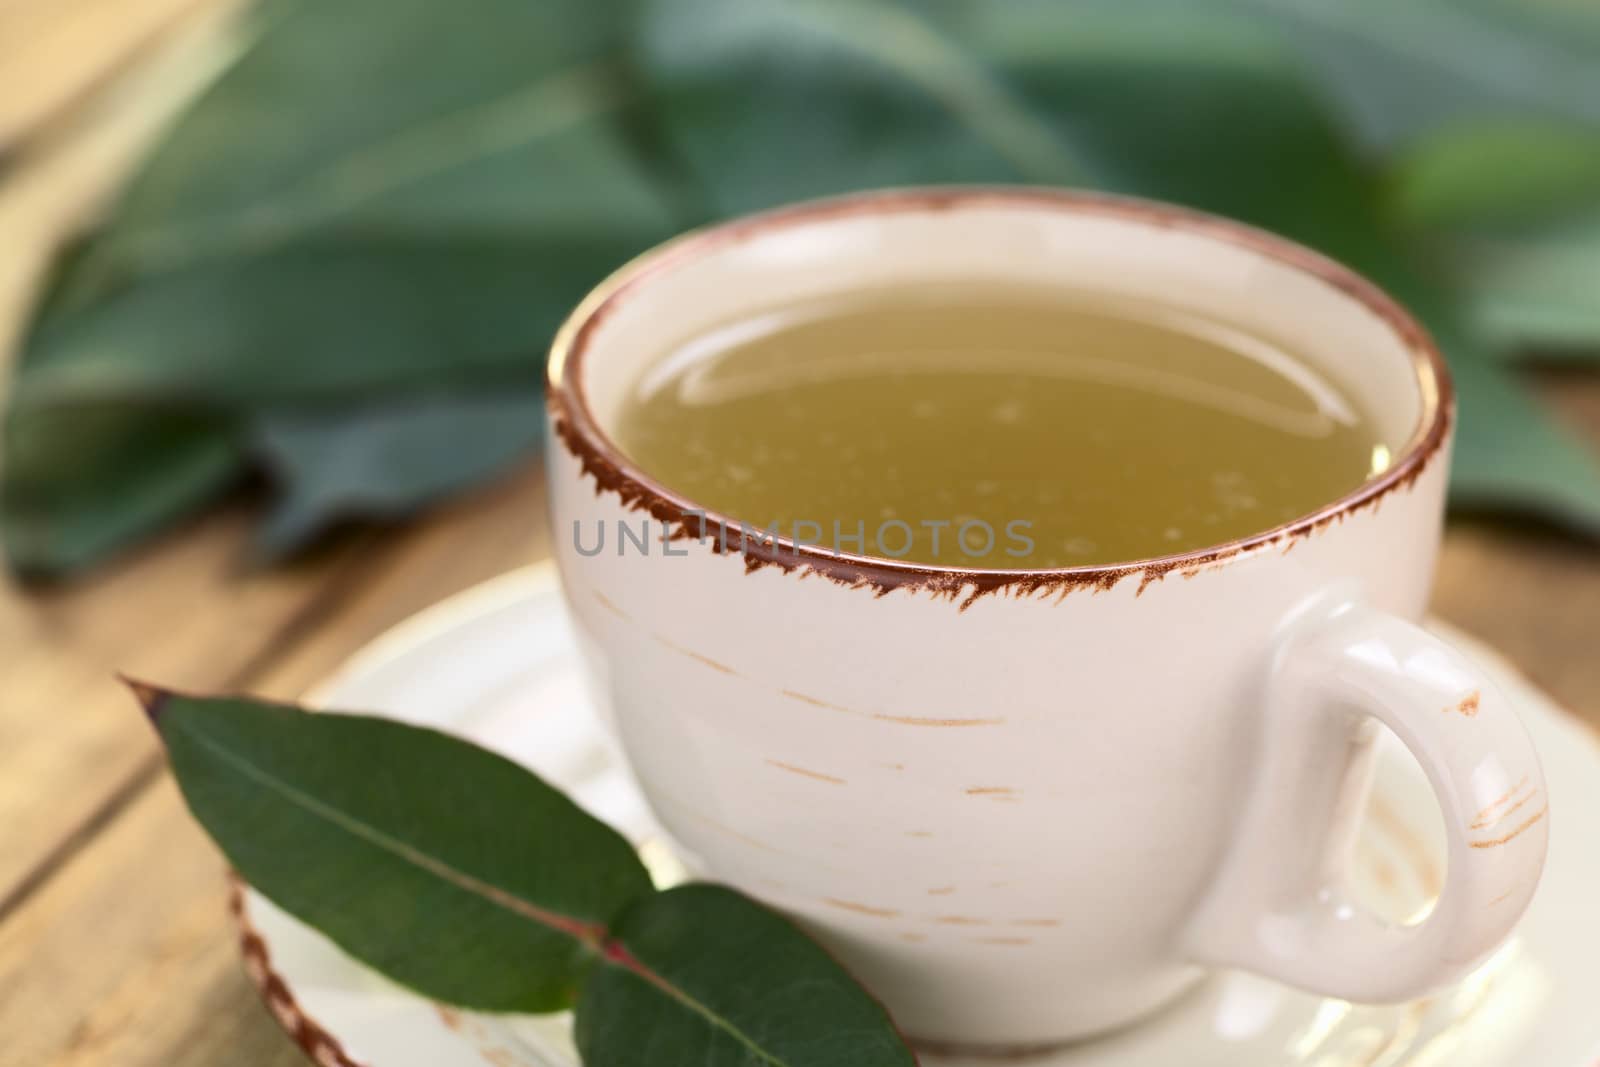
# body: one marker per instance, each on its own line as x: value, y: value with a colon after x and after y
x: 1021, y: 806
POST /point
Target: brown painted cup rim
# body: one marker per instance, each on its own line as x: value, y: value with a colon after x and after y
x: 577, y: 429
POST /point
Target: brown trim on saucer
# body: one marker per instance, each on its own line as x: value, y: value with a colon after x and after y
x: 574, y: 425
x: 322, y: 1047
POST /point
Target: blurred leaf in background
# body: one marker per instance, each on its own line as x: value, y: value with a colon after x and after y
x: 353, y: 250
x: 377, y: 216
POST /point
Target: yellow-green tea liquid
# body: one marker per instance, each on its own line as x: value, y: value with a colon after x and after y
x: 987, y: 426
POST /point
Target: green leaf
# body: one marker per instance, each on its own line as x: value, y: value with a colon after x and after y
x: 87, y: 480
x: 484, y: 116
x: 1534, y: 290
x: 1168, y: 124
x: 465, y: 877
x: 446, y: 867
x: 385, y: 462
x: 1397, y: 70
x: 330, y: 318
x: 702, y: 975
x: 1510, y: 455
x: 1497, y: 173
x: 767, y: 101
x: 376, y: 189
x: 379, y: 198
x: 382, y: 200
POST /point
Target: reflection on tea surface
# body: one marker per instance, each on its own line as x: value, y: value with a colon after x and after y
x: 994, y: 426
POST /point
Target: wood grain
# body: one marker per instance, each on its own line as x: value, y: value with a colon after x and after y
x: 70, y: 746
x: 130, y: 958
x: 1532, y: 591
x: 478, y: 537
x: 1534, y: 596
x: 158, y: 985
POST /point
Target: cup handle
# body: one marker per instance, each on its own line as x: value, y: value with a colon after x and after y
x: 1278, y: 906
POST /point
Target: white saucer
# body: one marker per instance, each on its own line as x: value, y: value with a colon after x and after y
x: 497, y: 664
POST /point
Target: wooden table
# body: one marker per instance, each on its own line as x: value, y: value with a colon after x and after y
x: 115, y: 947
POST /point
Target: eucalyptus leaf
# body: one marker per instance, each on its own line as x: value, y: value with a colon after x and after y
x: 447, y: 867
x: 1398, y: 70
x: 333, y: 317
x: 467, y: 878
x: 768, y: 101
x: 1509, y: 455
x: 777, y: 101
x: 385, y: 462
x: 1536, y: 290
x: 88, y: 480
x: 489, y: 114
x: 385, y: 201
x: 380, y: 197
x: 703, y: 975
x: 1169, y: 126
x: 1508, y: 452
x: 1495, y: 174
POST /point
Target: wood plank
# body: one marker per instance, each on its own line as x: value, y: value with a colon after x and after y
x: 131, y: 958
x: 70, y: 745
x: 158, y: 985
x: 483, y: 535
x: 1532, y: 591
x: 1535, y: 596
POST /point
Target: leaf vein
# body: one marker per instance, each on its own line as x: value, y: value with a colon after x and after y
x: 617, y: 954
x: 486, y: 129
x: 916, y: 51
x: 585, y: 933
